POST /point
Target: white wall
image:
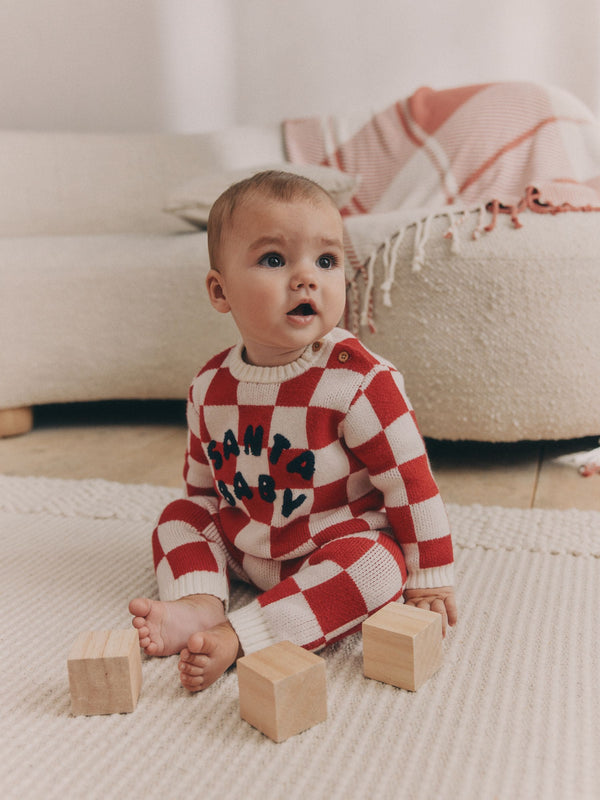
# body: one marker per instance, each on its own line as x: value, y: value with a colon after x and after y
x: 147, y: 65
x: 198, y: 62
x: 321, y: 56
x: 185, y: 65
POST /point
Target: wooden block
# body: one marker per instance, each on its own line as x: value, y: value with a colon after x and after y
x: 15, y: 421
x: 105, y: 672
x: 282, y: 690
x: 402, y: 645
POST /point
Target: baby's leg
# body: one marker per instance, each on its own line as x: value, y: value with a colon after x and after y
x: 207, y: 656
x: 184, y: 542
x: 334, y: 590
x: 164, y: 627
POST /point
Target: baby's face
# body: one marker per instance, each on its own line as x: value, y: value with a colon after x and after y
x: 282, y: 276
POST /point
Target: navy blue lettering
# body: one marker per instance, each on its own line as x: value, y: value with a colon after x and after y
x: 280, y: 443
x: 304, y: 465
x: 266, y: 488
x: 240, y: 487
x: 289, y: 503
x: 230, y: 445
x: 226, y: 493
x: 214, y: 455
x: 253, y: 440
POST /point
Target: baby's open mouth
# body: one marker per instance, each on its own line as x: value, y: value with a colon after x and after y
x: 302, y: 310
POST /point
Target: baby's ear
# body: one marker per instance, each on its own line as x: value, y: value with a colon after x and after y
x: 216, y: 291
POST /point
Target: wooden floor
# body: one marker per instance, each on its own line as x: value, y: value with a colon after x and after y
x: 144, y: 442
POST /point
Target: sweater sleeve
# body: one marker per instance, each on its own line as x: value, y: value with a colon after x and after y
x: 381, y: 430
x: 197, y: 473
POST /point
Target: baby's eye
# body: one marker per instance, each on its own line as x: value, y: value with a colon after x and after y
x: 326, y: 261
x: 272, y: 260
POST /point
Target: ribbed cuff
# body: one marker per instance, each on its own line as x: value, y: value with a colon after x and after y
x: 213, y: 583
x: 431, y: 578
x: 251, y: 627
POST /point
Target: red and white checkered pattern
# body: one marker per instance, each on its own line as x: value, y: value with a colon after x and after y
x: 311, y: 481
x: 335, y: 589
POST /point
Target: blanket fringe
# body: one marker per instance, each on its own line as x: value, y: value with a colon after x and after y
x: 456, y: 219
x: 389, y: 257
x: 531, y: 201
x: 480, y: 227
x: 366, y: 318
x: 421, y: 237
x: 360, y: 315
x: 391, y: 251
x: 359, y: 312
x: 586, y: 463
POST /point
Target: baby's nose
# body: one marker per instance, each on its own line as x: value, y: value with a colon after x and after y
x: 304, y: 276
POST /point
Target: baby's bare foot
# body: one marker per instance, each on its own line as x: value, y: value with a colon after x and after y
x: 207, y: 655
x: 164, y: 627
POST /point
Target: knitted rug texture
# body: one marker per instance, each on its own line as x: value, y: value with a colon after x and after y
x: 513, y: 712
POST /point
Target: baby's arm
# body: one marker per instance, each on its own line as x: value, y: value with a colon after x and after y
x: 440, y: 599
x: 197, y: 474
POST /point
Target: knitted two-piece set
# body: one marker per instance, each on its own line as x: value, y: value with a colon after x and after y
x: 310, y: 481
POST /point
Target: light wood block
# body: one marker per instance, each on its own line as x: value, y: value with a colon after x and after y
x: 15, y: 421
x: 402, y: 645
x: 282, y: 690
x: 105, y: 672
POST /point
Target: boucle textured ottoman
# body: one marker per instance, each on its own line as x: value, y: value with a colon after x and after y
x: 499, y: 341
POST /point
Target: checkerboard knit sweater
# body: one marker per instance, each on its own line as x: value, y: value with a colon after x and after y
x: 311, y: 481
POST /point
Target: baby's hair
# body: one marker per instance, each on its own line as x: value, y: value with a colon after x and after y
x: 272, y: 184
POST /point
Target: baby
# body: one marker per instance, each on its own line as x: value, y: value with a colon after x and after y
x: 305, y: 473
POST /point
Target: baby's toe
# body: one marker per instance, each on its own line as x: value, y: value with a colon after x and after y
x: 193, y: 683
x: 196, y: 660
x: 140, y: 606
x: 197, y: 643
x: 191, y: 669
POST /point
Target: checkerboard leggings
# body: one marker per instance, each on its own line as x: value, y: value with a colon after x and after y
x: 312, y: 600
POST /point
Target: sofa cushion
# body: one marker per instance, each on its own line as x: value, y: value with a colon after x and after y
x: 105, y: 317
x: 193, y: 200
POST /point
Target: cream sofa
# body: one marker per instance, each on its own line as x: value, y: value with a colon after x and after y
x: 102, y: 293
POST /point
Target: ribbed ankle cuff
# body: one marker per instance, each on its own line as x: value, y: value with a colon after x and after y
x: 193, y: 583
x: 251, y: 627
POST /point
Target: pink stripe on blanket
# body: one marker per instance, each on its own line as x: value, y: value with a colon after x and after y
x: 478, y: 144
x: 376, y: 153
x: 304, y: 141
x: 430, y: 109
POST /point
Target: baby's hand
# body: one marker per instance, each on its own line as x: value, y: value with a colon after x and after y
x: 440, y: 599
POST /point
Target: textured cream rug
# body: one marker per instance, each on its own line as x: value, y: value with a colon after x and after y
x: 513, y: 713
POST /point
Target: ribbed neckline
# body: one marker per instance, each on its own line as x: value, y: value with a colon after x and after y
x: 242, y: 371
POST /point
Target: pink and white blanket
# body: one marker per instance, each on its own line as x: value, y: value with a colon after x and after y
x: 496, y: 148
